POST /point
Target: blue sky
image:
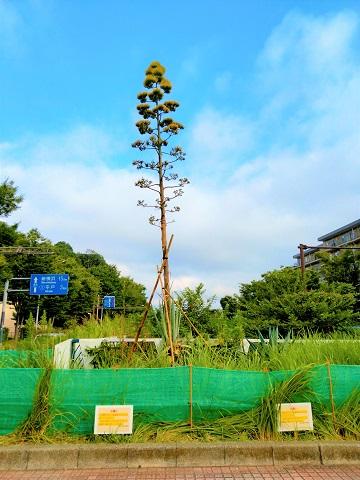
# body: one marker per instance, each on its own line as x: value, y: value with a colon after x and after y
x: 270, y: 97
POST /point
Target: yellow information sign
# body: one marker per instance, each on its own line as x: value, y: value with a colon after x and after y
x: 110, y: 419
x: 295, y: 417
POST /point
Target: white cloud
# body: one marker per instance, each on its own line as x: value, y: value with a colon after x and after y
x: 218, y: 139
x: 83, y: 144
x: 310, y: 74
x: 259, y: 187
x: 318, y: 42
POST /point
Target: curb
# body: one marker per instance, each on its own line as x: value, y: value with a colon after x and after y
x: 53, y: 457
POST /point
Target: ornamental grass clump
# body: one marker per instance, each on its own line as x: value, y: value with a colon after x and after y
x: 342, y: 423
x: 35, y: 427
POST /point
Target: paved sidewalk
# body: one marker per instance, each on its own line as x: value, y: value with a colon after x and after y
x: 195, y: 473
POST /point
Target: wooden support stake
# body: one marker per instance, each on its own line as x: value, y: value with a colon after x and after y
x: 331, y: 392
x: 191, y: 395
x: 168, y: 323
x: 149, y: 302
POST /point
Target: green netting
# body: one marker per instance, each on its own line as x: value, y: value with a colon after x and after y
x: 345, y: 379
x: 159, y: 394
x: 156, y: 394
x: 17, y: 391
x: 24, y: 358
x: 219, y: 392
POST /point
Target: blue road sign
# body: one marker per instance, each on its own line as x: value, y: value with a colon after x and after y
x: 109, y: 301
x: 49, y: 284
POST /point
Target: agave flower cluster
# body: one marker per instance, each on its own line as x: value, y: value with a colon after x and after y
x: 159, y: 127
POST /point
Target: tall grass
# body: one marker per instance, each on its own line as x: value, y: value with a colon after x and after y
x: 313, y: 349
x: 35, y: 358
x: 119, y: 326
x: 36, y: 425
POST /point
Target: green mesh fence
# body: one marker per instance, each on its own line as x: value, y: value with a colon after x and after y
x: 345, y: 380
x: 220, y: 392
x: 159, y: 394
x: 156, y: 394
x: 17, y: 392
x: 24, y: 358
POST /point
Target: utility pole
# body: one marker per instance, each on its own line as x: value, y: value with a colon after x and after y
x: 3, y: 309
x: 302, y: 259
x: 303, y: 247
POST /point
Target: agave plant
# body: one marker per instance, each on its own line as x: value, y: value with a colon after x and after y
x: 275, y: 342
x: 174, y: 318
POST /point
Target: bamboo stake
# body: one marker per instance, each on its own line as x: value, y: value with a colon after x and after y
x: 149, y: 302
x: 191, y: 394
x: 331, y: 391
x: 166, y: 307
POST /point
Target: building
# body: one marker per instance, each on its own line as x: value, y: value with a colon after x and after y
x: 9, y: 319
x: 346, y: 236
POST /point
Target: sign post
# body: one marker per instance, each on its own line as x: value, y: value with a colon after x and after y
x: 109, y: 301
x: 49, y: 284
x: 113, y: 419
x: 295, y: 417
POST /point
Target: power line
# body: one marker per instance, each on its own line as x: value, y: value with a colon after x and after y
x: 24, y: 251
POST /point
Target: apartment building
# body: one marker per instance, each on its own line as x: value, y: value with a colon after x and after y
x: 345, y: 236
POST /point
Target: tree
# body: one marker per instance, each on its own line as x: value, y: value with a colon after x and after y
x: 230, y: 305
x: 280, y: 300
x: 22, y: 266
x: 198, y: 309
x: 158, y: 129
x: 129, y: 295
x: 343, y: 267
x: 9, y: 236
x: 9, y: 200
x: 90, y: 276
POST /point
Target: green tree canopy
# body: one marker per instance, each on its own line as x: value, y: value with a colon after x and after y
x: 90, y: 277
x: 198, y: 309
x: 343, y: 267
x: 283, y: 299
x: 129, y: 295
x: 9, y: 199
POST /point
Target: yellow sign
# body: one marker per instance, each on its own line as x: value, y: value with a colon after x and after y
x: 294, y: 417
x: 116, y: 419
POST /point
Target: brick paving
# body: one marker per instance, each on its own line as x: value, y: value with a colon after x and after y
x: 193, y: 473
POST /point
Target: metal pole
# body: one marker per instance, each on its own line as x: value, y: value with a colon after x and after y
x: 97, y: 308
x: 302, y: 259
x: 3, y: 309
